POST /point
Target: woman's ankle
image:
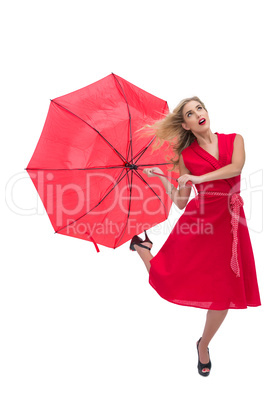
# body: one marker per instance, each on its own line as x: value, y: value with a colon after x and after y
x: 204, y: 343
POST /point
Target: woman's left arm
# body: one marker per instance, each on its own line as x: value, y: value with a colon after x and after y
x: 234, y: 168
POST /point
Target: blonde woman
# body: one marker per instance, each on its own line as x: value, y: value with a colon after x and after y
x: 207, y: 261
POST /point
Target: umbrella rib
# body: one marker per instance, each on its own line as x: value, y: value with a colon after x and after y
x: 154, y: 164
x: 117, y: 182
x: 142, y: 151
x: 92, y: 168
x: 129, y: 204
x: 129, y: 116
x: 138, y: 174
x: 115, y: 150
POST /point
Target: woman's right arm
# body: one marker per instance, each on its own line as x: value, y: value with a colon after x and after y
x: 179, y: 197
x: 184, y: 192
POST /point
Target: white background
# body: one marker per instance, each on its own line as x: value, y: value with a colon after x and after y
x: 77, y: 325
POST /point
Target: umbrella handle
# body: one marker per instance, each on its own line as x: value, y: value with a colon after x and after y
x: 188, y: 182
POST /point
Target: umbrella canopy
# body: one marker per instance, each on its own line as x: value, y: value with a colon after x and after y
x: 88, y: 164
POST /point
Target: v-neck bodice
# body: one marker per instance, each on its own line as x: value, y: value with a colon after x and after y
x: 218, y: 146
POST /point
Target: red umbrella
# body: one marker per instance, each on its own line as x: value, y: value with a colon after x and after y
x: 88, y: 164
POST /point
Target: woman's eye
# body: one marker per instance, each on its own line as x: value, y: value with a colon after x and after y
x: 189, y: 114
x: 199, y: 107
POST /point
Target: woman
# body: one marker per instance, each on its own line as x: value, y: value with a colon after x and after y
x: 207, y: 260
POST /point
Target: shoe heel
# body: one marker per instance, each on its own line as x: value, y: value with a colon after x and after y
x: 147, y: 238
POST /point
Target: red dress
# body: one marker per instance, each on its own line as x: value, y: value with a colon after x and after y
x: 207, y: 261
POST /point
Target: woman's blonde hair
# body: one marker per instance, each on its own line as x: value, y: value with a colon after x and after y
x: 170, y: 129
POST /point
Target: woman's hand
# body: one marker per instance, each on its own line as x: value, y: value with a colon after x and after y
x: 182, y: 180
x: 149, y: 172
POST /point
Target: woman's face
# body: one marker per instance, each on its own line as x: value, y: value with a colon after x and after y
x: 194, y: 115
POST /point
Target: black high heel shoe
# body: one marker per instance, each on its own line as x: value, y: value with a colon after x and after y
x: 138, y: 241
x: 202, y: 366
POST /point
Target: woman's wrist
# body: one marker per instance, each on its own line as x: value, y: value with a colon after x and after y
x: 169, y: 187
x: 170, y: 190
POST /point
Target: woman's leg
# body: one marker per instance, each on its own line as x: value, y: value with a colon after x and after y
x: 213, y: 323
x: 145, y: 254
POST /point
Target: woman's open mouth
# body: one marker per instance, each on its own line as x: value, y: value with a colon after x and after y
x: 202, y: 121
